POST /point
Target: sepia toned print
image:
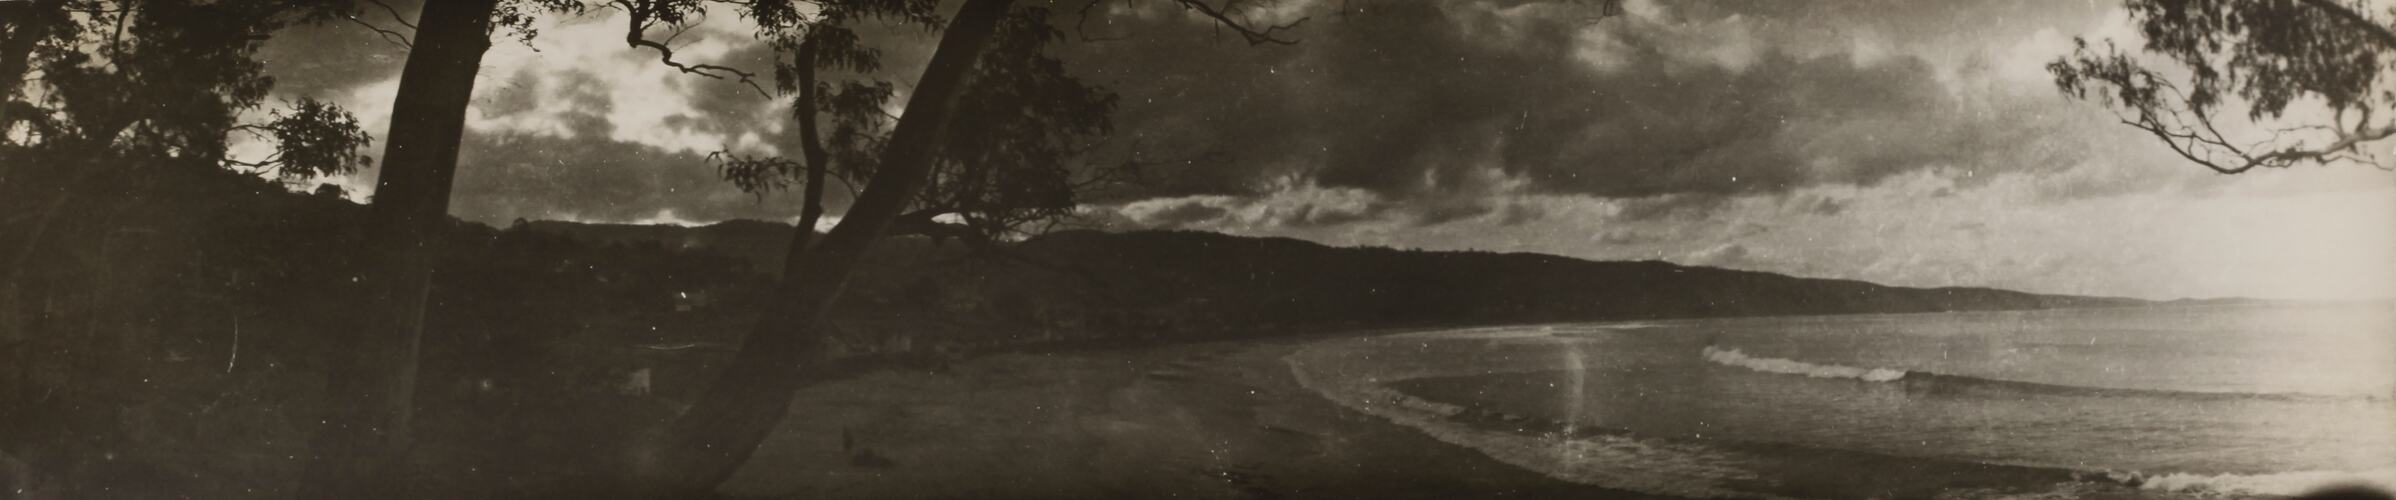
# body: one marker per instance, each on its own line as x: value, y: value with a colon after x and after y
x: 1197, y: 249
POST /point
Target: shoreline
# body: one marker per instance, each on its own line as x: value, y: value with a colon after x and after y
x: 1225, y: 419
x: 1445, y: 393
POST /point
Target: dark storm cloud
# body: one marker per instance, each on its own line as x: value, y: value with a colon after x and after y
x: 1436, y: 112
x: 1427, y: 98
x: 581, y: 99
x: 722, y: 107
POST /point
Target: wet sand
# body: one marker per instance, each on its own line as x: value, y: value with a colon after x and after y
x: 1207, y: 420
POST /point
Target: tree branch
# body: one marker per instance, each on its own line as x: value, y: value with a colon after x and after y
x: 635, y: 35
x: 2185, y: 123
x: 395, y: 17
x: 1223, y: 18
x: 389, y: 36
x: 2197, y: 147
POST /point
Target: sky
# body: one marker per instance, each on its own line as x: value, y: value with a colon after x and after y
x: 1900, y: 142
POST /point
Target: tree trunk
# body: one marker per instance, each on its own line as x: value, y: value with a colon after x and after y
x: 811, y: 142
x: 719, y: 432
x: 25, y: 28
x: 28, y: 24
x: 359, y: 447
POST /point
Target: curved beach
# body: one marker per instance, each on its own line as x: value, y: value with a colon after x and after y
x: 1208, y: 420
x: 1586, y: 410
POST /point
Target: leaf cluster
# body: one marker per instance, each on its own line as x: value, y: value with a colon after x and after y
x: 168, y: 79
x: 2269, y: 55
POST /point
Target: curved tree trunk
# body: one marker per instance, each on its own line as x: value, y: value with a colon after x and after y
x: 710, y: 441
x: 811, y: 142
x: 358, y: 448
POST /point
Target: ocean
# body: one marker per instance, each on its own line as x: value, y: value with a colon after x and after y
x: 2149, y: 402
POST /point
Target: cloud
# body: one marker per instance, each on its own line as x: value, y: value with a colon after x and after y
x: 1899, y: 141
x: 1620, y: 237
x: 1727, y: 255
x: 1418, y: 99
x: 508, y: 175
x: 1515, y: 214
x: 1429, y: 112
x: 567, y: 74
x: 1175, y: 213
x: 1816, y: 204
x: 324, y: 60
x: 1438, y: 110
x: 572, y: 125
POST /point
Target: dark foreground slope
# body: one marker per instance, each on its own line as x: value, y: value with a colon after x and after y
x: 168, y: 337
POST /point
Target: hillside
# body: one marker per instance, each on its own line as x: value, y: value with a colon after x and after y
x: 759, y: 243
x: 1381, y: 283
x: 1178, y: 283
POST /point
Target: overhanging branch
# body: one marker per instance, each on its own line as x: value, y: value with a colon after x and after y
x: 394, y: 37
x: 1224, y: 18
x: 636, y: 36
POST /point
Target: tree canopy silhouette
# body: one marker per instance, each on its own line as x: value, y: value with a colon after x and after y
x: 159, y: 79
x: 918, y: 172
x: 95, y: 91
x: 97, y: 100
x: 1033, y: 129
x: 2311, y: 76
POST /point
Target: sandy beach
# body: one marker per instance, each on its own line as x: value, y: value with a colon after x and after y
x: 1207, y: 420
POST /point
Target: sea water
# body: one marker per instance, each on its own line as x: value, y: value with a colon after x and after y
x: 2167, y: 401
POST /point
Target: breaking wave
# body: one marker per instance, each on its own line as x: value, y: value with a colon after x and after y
x: 1924, y: 379
x: 1732, y: 357
x: 2273, y: 484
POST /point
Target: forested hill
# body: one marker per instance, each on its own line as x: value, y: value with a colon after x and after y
x: 760, y: 243
x: 1176, y: 281
x: 1278, y: 273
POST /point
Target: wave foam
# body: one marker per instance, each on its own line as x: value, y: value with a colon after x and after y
x: 2275, y: 484
x: 1733, y: 357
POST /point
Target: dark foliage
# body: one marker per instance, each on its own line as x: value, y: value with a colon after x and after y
x: 186, y: 355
